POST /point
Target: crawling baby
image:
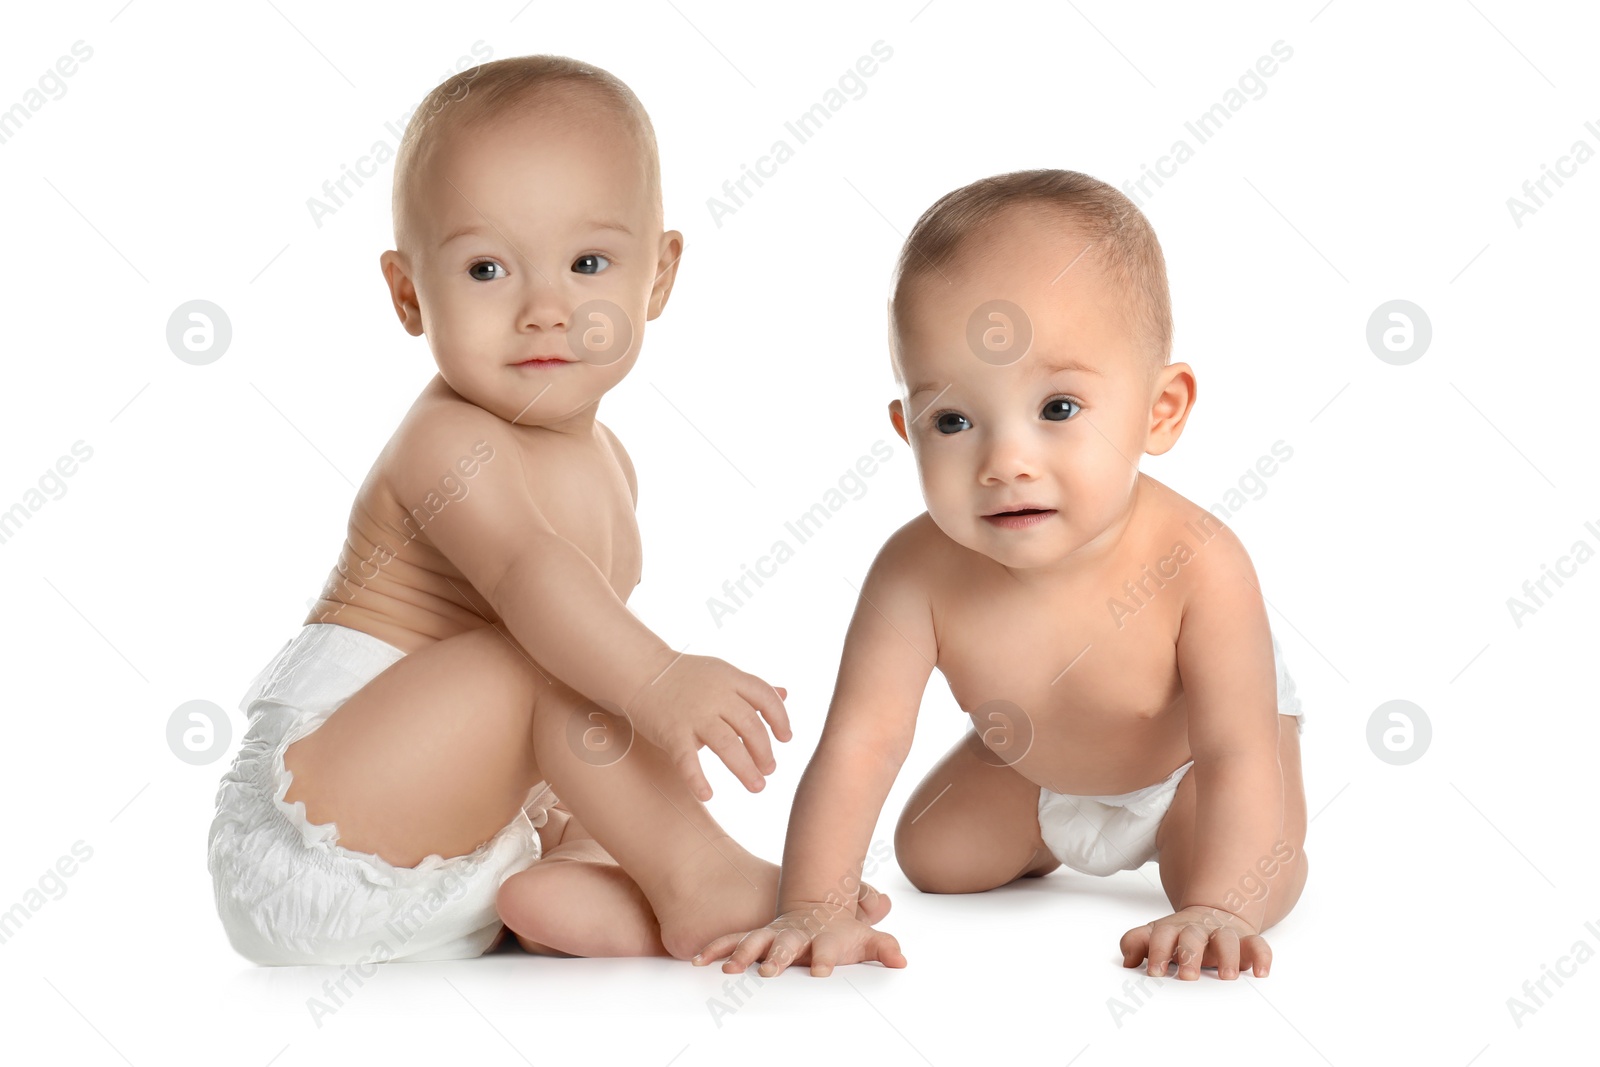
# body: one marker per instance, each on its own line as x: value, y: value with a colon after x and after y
x: 1107, y: 637
x: 472, y: 656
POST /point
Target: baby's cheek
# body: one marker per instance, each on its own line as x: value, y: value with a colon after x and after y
x: 943, y: 496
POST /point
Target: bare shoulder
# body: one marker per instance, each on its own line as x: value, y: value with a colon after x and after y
x: 892, y: 628
x: 442, y: 437
x: 623, y: 460
x: 906, y: 570
x: 911, y: 550
x: 1213, y: 559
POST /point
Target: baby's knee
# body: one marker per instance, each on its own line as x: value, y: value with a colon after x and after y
x: 1302, y: 867
x: 936, y: 862
x: 913, y: 851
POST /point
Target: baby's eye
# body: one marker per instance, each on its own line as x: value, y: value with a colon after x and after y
x: 489, y: 277
x: 593, y: 263
x: 1060, y: 409
x: 948, y: 422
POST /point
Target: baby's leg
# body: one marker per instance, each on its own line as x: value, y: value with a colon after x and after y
x: 1175, y: 839
x: 434, y: 755
x: 971, y: 825
x: 699, y: 882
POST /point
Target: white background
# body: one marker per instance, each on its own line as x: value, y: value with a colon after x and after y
x: 177, y: 165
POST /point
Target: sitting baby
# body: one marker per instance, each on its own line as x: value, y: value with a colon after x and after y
x: 1107, y: 637
x: 472, y: 656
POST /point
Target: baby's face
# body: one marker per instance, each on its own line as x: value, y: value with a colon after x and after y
x: 1026, y: 459
x: 538, y: 257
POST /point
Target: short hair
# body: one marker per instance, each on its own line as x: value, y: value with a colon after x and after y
x: 1124, y: 243
x: 508, y: 87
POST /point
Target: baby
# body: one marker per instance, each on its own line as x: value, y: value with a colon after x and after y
x: 1107, y: 637
x: 472, y: 655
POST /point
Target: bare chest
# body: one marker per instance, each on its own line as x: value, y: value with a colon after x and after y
x: 1075, y: 667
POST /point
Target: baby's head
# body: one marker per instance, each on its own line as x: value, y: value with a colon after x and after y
x: 1030, y: 329
x: 528, y: 234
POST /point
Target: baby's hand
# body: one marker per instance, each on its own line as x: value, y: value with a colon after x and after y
x: 1198, y: 936
x: 821, y: 932
x: 699, y: 700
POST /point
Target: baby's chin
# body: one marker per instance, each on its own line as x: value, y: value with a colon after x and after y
x: 1016, y: 549
x: 535, y: 397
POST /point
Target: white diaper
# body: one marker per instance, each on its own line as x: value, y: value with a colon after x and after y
x: 1101, y: 835
x: 286, y: 891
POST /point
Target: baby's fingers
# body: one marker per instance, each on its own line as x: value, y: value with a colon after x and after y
x: 885, y: 949
x: 1254, y: 951
x: 1135, y: 944
x: 766, y: 700
x: 826, y: 952
x: 786, y: 949
x: 1163, y: 943
x: 1226, y: 943
x: 871, y: 905
x: 726, y: 744
x: 717, y: 949
x: 753, y: 732
x: 1192, y: 941
x: 689, y: 768
x: 824, y: 955
x: 749, y: 948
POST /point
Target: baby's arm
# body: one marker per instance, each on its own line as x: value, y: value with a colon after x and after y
x: 562, y: 610
x: 889, y: 653
x: 1229, y: 684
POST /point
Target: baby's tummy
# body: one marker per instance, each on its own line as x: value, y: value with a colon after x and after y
x: 1079, y: 754
x: 406, y: 603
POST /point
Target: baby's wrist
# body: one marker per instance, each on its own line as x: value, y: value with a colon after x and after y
x: 647, y: 668
x: 822, y: 906
x: 811, y: 917
x: 1246, y: 920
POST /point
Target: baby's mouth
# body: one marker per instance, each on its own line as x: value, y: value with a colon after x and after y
x: 1016, y: 517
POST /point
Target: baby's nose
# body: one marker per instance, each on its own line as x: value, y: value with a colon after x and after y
x: 1007, y: 459
x: 544, y: 308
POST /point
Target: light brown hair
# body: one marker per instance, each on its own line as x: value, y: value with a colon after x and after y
x: 1122, y: 242
x: 508, y: 87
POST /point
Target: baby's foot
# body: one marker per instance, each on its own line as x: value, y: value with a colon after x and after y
x: 721, y: 889
x: 577, y: 901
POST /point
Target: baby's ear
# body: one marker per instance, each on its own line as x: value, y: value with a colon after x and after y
x: 898, y: 418
x: 666, y: 272
x: 397, y: 275
x: 1172, y: 398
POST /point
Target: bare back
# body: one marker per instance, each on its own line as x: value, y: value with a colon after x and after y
x: 390, y: 580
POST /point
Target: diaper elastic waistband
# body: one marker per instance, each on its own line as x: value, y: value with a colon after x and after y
x: 325, y: 647
x: 1129, y: 799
